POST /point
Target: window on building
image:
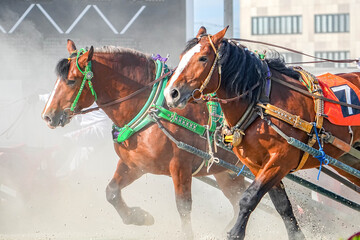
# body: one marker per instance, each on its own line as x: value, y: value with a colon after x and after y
x: 276, y: 25
x: 332, y: 23
x: 291, y: 57
x: 333, y: 55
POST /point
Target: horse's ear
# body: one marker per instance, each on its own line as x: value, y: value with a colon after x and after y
x: 219, y: 36
x: 201, y: 31
x: 90, y: 53
x: 86, y: 57
x: 71, y: 46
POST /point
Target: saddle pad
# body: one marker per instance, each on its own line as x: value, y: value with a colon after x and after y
x: 339, y: 89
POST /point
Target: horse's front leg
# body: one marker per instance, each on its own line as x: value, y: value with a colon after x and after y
x: 264, y: 181
x: 182, y: 176
x: 123, y: 177
x: 283, y: 206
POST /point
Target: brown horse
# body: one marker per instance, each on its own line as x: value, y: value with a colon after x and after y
x: 118, y: 72
x: 215, y: 64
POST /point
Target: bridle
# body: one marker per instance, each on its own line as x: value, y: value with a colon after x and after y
x: 207, y: 79
x: 88, y: 75
x: 210, y: 96
x: 116, y: 101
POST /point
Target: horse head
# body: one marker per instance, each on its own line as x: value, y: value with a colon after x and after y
x: 71, y: 93
x: 196, y: 73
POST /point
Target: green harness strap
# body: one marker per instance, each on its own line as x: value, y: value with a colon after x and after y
x: 215, y: 114
x: 155, y: 103
x: 88, y: 75
x: 180, y: 120
x: 142, y: 118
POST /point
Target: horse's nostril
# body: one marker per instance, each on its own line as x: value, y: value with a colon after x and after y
x: 174, y: 93
x: 47, y: 119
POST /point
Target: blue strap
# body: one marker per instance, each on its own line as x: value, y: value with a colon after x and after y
x: 241, y: 170
x: 321, y: 157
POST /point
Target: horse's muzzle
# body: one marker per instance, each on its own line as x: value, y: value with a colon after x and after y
x: 176, y: 98
x: 54, y: 120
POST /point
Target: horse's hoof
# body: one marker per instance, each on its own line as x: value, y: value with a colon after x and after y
x: 139, y: 217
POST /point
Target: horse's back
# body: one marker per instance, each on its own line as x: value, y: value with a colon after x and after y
x: 353, y: 77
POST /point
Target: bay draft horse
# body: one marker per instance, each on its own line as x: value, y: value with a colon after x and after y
x: 118, y: 72
x: 262, y: 150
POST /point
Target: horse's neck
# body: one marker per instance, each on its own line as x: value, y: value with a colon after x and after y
x: 114, y: 80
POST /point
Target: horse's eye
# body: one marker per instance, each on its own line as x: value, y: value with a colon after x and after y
x: 70, y: 82
x: 202, y: 59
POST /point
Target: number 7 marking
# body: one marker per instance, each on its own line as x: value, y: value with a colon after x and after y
x: 345, y: 88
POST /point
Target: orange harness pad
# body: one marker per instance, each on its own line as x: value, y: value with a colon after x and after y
x: 339, y: 89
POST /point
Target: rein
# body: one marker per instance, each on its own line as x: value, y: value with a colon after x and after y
x: 224, y: 101
x: 305, y: 92
x: 298, y: 52
x: 227, y: 100
x: 123, y: 99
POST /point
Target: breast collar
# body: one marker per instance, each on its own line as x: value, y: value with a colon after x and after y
x: 250, y: 113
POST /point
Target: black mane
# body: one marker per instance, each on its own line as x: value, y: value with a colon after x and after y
x: 62, y: 67
x: 241, y: 69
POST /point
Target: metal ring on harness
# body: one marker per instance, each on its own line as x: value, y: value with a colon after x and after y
x: 193, y: 94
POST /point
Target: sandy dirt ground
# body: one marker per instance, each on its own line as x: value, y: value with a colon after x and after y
x: 75, y: 207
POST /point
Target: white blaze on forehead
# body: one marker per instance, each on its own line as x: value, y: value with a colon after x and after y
x: 183, y: 63
x: 51, y: 96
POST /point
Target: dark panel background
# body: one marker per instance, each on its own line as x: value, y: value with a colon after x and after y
x: 29, y: 54
x: 160, y: 28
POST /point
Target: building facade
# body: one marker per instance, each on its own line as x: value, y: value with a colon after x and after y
x: 323, y: 28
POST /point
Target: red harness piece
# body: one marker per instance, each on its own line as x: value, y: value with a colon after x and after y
x: 339, y: 89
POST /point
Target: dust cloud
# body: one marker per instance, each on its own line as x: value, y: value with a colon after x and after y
x: 52, y: 182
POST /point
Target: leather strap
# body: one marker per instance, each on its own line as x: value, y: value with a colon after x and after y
x: 311, y: 82
x: 306, y: 155
x: 227, y: 100
x: 250, y: 114
x: 296, y: 122
x: 335, y: 141
x: 289, y: 85
x: 207, y: 79
x: 285, y: 116
x: 340, y: 144
x: 314, y: 87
